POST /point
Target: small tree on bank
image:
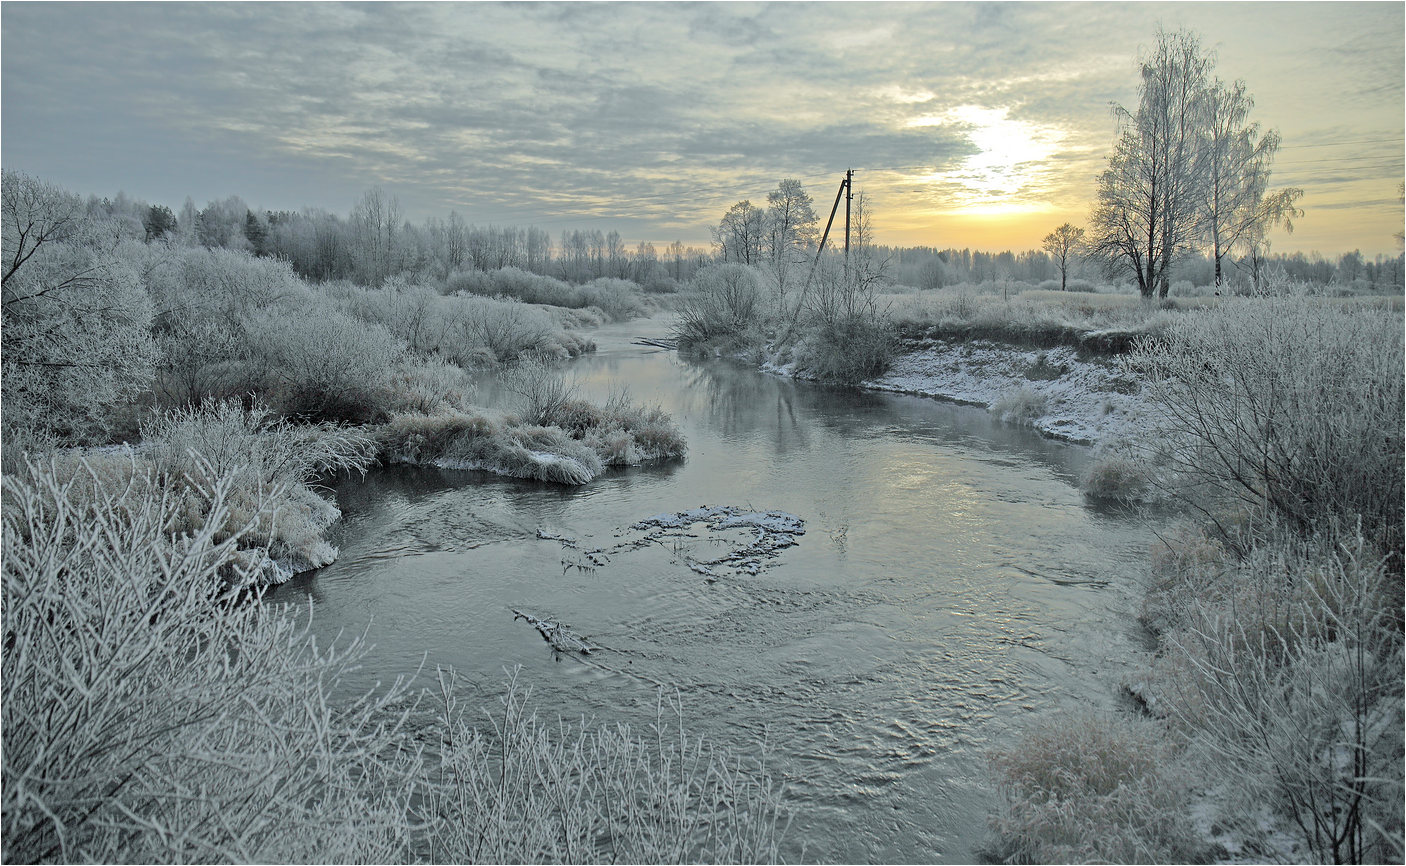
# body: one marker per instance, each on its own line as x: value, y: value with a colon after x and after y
x: 1064, y: 243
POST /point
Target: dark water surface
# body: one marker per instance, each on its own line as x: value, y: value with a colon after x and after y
x: 951, y: 586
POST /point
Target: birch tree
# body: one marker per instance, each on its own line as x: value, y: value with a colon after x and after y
x: 1237, y: 208
x: 1148, y: 210
x: 790, y: 231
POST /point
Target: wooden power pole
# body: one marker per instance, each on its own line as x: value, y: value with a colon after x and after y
x: 846, y: 191
x: 849, y: 197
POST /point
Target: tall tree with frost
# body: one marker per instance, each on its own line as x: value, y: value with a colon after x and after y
x: 1236, y: 208
x: 1148, y: 211
x: 74, y: 317
x: 790, y: 230
x: 740, y: 233
x: 1063, y: 243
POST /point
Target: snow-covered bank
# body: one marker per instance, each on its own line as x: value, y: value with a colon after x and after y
x: 1085, y: 399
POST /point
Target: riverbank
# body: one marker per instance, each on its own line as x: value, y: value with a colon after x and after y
x: 1060, y: 392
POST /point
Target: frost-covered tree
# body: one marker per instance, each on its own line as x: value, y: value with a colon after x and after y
x: 740, y: 234
x: 790, y: 231
x: 375, y: 225
x: 1063, y: 244
x: 158, y: 222
x: 1148, y: 210
x: 1237, y: 207
x: 75, y: 338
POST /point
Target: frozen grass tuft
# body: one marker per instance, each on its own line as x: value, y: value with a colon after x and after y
x: 533, y: 791
x: 1083, y: 788
x: 1023, y: 406
x: 1114, y: 478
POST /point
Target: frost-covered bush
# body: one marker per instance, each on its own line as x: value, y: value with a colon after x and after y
x: 1023, y: 406
x: 74, y: 318
x: 230, y: 283
x: 1085, y: 788
x: 845, y: 352
x: 491, y: 329
x: 1283, y: 674
x: 727, y: 303
x: 410, y: 312
x: 428, y: 386
x: 618, y: 299
x: 540, y: 388
x: 516, y: 283
x: 1114, y: 477
x: 268, y: 467
x: 1293, y: 406
x: 321, y: 363
x: 621, y: 300
x: 145, y: 719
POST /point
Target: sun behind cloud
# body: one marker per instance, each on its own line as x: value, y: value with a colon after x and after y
x: 1007, y: 171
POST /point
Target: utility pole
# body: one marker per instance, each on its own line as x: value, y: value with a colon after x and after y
x: 848, y: 194
x: 849, y: 197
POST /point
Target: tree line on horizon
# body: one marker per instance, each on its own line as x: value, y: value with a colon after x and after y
x: 374, y: 242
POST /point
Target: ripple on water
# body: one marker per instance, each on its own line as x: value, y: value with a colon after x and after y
x: 950, y: 584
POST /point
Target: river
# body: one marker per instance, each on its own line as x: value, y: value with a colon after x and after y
x: 951, y: 586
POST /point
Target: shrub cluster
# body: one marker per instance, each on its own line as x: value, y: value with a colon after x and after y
x: 726, y: 307
x: 1277, y: 677
x: 555, y: 436
x: 1289, y: 406
x: 619, y: 300
x: 1280, y: 672
x: 99, y: 327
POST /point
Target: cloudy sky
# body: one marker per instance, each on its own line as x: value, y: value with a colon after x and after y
x: 970, y: 124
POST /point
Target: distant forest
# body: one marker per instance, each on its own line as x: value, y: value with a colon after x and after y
x: 375, y: 243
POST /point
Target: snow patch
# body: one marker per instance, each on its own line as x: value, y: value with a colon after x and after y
x: 1086, y: 400
x: 752, y: 540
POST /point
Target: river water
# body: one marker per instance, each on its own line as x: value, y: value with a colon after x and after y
x: 951, y: 586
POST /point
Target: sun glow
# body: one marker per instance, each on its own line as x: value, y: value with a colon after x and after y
x: 1011, y: 161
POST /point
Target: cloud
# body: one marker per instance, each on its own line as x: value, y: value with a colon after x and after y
x: 660, y: 115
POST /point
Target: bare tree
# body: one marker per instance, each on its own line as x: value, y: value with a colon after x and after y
x: 1063, y: 243
x: 790, y: 231
x: 376, y: 221
x: 1148, y: 212
x: 1237, y: 209
x: 36, y: 213
x: 740, y: 233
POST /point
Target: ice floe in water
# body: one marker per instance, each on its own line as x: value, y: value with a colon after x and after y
x: 751, y: 540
